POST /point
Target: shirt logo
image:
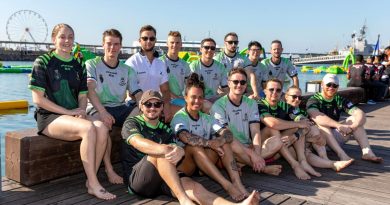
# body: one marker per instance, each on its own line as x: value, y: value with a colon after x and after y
x: 57, y: 75
x: 122, y: 82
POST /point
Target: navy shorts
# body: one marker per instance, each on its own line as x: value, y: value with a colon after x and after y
x: 120, y: 113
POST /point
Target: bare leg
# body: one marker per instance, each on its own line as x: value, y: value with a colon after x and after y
x: 244, y: 154
x: 332, y: 142
x: 112, y: 176
x: 169, y: 174
x: 199, y: 194
x: 298, y: 170
x: 320, y: 162
x: 71, y: 128
x: 321, y: 150
x: 232, y: 169
x: 361, y: 137
x: 204, y: 163
x: 299, y: 146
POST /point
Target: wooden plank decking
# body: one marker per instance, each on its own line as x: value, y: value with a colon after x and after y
x: 361, y: 183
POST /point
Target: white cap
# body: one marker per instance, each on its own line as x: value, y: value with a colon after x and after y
x: 330, y: 78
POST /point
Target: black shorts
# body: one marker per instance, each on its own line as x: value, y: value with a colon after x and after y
x: 44, y: 118
x: 120, y: 113
x: 145, y: 180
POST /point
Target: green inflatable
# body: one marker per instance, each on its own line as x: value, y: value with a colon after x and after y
x: 349, y: 57
x: 82, y: 53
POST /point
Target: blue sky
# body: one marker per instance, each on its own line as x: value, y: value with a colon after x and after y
x: 318, y: 26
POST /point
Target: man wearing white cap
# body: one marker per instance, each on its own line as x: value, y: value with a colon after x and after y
x: 325, y: 109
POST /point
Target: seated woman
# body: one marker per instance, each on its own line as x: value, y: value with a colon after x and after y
x: 59, y: 89
x: 206, y: 141
x: 293, y: 97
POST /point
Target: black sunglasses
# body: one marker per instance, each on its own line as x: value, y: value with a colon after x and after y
x: 278, y: 90
x: 145, y: 38
x: 209, y: 48
x: 150, y: 105
x: 332, y: 85
x: 232, y: 42
x: 296, y: 96
x: 235, y: 82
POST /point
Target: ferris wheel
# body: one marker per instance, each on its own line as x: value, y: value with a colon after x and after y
x: 26, y: 26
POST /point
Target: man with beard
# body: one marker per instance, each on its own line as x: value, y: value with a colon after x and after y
x: 229, y: 57
x: 151, y: 71
x: 150, y: 156
x: 278, y: 66
x: 325, y: 108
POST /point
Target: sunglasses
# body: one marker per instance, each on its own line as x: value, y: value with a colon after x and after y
x: 145, y: 38
x: 232, y: 42
x: 209, y: 48
x: 150, y: 105
x: 296, y: 96
x: 332, y: 85
x: 235, y: 82
x: 277, y: 90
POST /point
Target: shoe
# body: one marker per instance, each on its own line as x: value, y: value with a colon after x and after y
x: 371, y: 102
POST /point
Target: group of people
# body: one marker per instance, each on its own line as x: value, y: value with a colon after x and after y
x: 224, y: 112
x: 372, y: 75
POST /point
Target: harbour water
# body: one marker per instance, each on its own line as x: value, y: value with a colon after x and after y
x: 14, y: 87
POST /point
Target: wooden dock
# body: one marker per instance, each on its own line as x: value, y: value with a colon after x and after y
x: 361, y: 183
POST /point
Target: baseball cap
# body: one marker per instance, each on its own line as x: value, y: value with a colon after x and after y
x: 330, y: 78
x: 150, y: 94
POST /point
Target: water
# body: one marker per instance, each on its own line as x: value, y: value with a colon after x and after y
x: 14, y: 87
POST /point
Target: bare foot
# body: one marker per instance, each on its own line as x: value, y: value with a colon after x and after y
x: 372, y: 158
x: 339, y: 165
x: 345, y: 157
x: 100, y: 192
x: 234, y: 193
x: 309, y: 169
x: 300, y: 173
x: 114, y: 178
x: 253, y: 199
x: 242, y: 189
x: 273, y: 170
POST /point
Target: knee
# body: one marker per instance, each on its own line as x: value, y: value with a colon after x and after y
x: 87, y: 130
x: 275, y: 143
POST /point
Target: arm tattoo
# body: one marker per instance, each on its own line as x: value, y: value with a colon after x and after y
x: 227, y: 134
x: 234, y: 165
x: 192, y: 140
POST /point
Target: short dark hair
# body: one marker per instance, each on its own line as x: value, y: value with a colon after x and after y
x: 254, y: 43
x: 237, y: 70
x: 112, y: 32
x: 174, y: 34
x: 274, y: 80
x: 277, y: 41
x: 230, y: 34
x: 207, y: 40
x: 147, y: 28
x: 387, y: 48
x: 359, y: 58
